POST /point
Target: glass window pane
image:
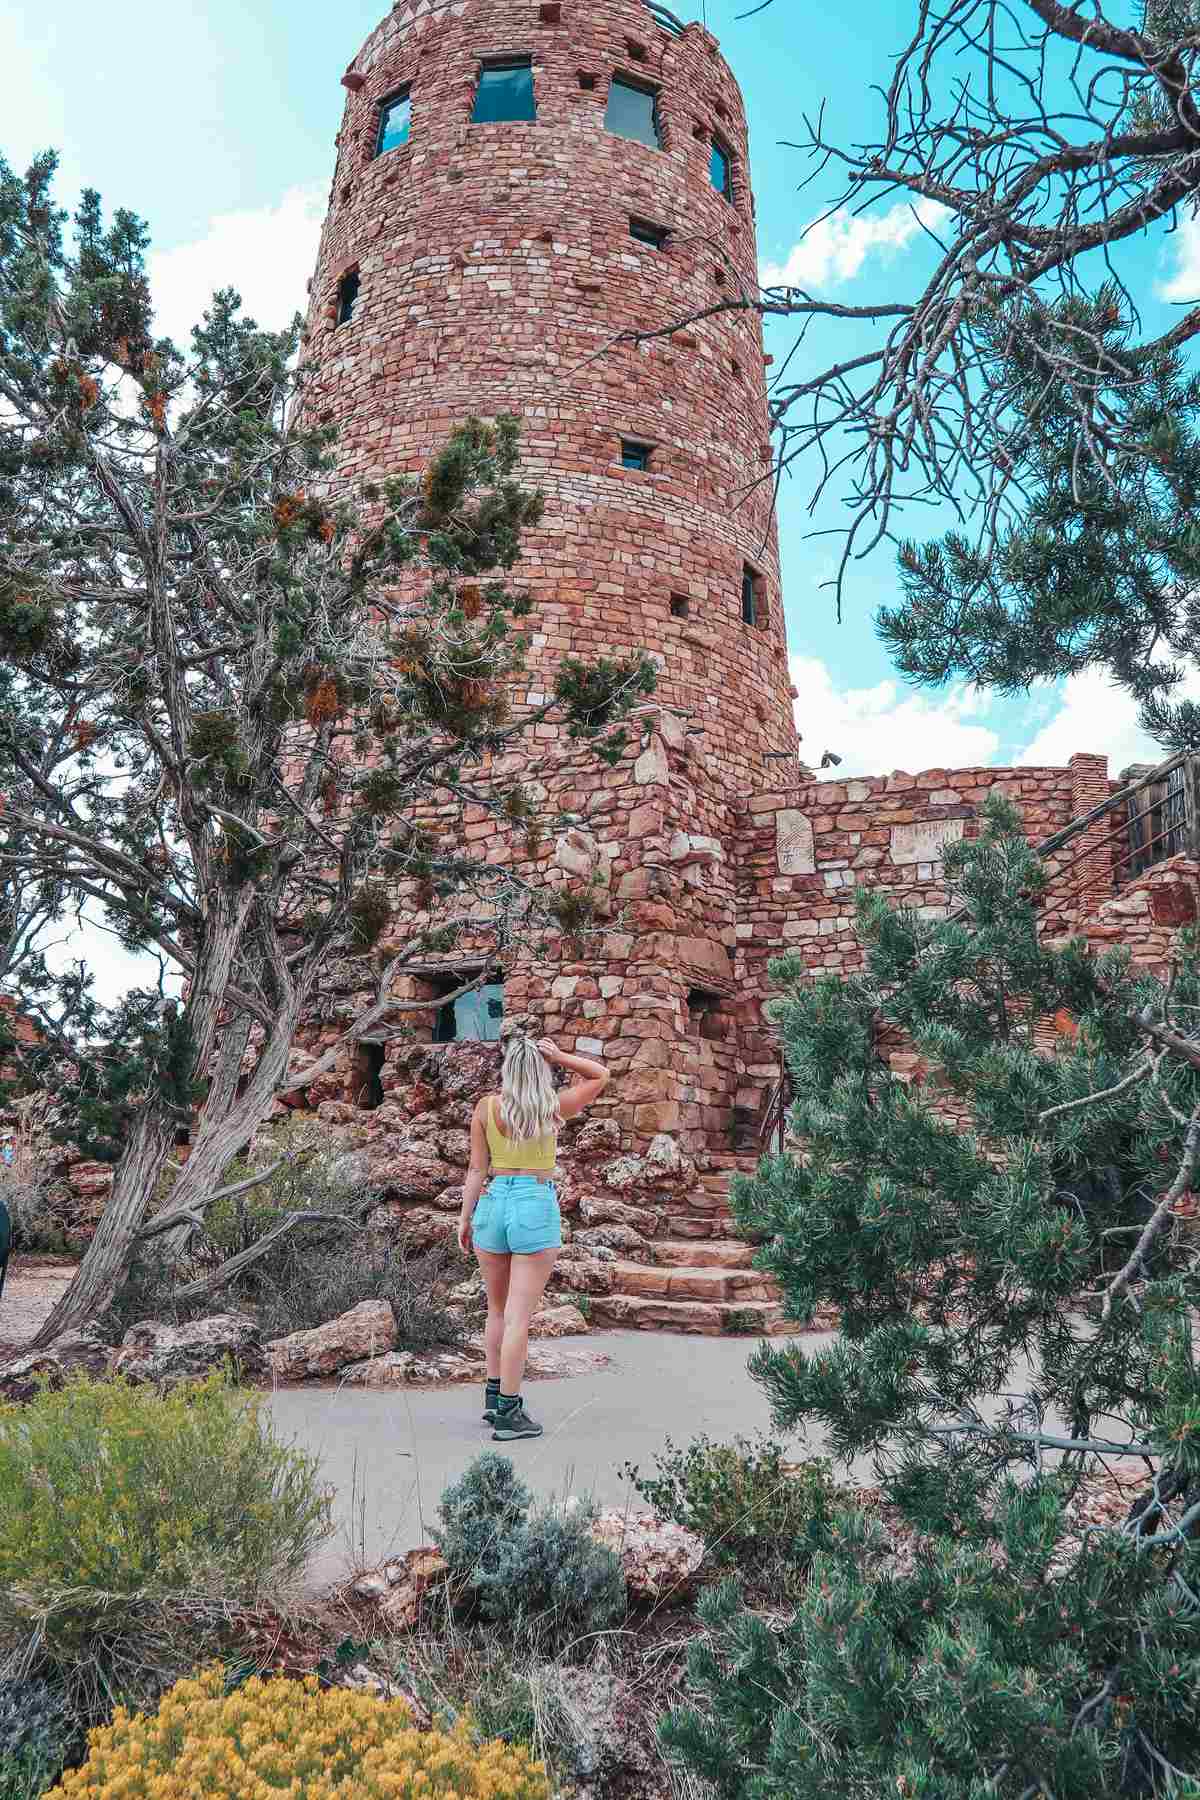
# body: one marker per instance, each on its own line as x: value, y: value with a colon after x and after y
x: 633, y: 113
x: 395, y: 121
x: 347, y: 298
x: 720, y: 171
x: 749, y: 598
x: 505, y: 94
x: 479, y: 1015
x: 635, y: 456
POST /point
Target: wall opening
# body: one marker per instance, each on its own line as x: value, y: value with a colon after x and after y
x: 702, y: 1005
x: 367, y: 1079
x: 680, y: 606
x: 635, y: 455
x: 647, y: 233
x: 474, y: 1017
x: 720, y: 169
x: 633, y: 113
x: 505, y: 93
x: 754, y: 601
x: 395, y: 122
x: 347, y: 296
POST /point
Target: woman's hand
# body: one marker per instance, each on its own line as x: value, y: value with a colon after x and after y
x: 464, y: 1231
x: 550, y: 1051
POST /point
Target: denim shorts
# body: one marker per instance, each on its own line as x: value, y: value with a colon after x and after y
x: 517, y: 1215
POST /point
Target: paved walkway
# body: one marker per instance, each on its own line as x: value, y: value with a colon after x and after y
x: 390, y: 1454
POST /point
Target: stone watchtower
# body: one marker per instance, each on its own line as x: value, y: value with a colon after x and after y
x: 518, y: 183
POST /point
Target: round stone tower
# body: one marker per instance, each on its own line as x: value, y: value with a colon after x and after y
x: 518, y: 184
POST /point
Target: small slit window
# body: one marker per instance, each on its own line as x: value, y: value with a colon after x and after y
x: 680, y: 606
x: 368, y: 1076
x: 753, y: 611
x: 633, y: 113
x: 635, y: 455
x: 645, y: 233
x: 505, y: 94
x: 347, y: 297
x: 702, y: 1007
x: 720, y: 169
x: 395, y: 122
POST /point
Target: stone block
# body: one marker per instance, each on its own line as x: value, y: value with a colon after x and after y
x: 924, y: 840
x: 794, y: 852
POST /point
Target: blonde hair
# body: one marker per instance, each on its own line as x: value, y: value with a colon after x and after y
x: 528, y: 1101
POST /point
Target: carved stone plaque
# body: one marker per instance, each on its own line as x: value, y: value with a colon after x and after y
x: 794, y: 843
x: 924, y: 842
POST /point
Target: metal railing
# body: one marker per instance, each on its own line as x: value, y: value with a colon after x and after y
x: 1155, y: 816
x: 666, y: 19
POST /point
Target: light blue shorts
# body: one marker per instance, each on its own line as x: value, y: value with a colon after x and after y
x: 517, y: 1215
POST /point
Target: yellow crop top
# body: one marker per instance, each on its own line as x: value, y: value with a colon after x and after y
x: 536, y: 1154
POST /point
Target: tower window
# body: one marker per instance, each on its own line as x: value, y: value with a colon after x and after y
x: 587, y: 81
x: 395, y: 122
x: 347, y: 297
x: 680, y: 606
x: 367, y: 1076
x: 646, y: 233
x: 633, y: 113
x: 720, y: 169
x: 635, y: 455
x: 753, y: 609
x: 505, y: 93
x: 702, y: 1006
x: 473, y: 1018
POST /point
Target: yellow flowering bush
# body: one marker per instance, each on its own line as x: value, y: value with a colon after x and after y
x: 133, y: 1523
x: 278, y: 1737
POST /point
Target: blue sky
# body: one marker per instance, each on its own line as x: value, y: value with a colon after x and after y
x: 215, y: 121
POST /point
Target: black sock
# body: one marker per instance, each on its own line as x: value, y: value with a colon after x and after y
x: 509, y: 1402
x: 492, y: 1389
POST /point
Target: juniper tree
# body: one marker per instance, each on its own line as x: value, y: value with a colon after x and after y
x: 1006, y: 1236
x: 268, y: 683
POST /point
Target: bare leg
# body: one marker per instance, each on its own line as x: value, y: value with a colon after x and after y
x: 495, y: 1271
x: 527, y: 1284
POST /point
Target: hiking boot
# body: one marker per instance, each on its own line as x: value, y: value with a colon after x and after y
x: 490, y: 1408
x: 514, y: 1422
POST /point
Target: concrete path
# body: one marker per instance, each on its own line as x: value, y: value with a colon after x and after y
x: 390, y: 1454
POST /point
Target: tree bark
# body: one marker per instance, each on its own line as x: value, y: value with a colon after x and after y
x: 107, y: 1257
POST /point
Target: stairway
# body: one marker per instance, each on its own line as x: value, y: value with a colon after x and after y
x: 705, y: 1287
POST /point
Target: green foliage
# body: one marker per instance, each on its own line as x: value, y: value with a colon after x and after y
x: 750, y: 1506
x: 596, y: 695
x: 1101, y: 569
x: 132, y: 1524
x: 539, y: 1573
x: 972, y: 1225
x: 38, y: 1736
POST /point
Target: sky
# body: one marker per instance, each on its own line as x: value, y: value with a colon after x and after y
x: 215, y: 119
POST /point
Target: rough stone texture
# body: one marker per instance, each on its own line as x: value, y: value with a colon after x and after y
x: 367, y: 1330
x: 166, y: 1354
x: 661, y: 1560
x: 75, y: 1353
x: 558, y: 1322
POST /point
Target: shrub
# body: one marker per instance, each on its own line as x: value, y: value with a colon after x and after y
x: 540, y: 1572
x: 310, y: 1276
x: 38, y: 1735
x: 132, y: 1524
x: 748, y: 1505
x: 292, y: 1738
x: 27, y: 1183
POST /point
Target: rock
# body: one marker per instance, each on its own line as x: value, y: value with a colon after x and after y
x: 602, y: 1209
x: 419, y: 1226
x: 622, y: 1238
x: 599, y: 1137
x: 582, y: 1275
x: 162, y: 1354
x: 660, y: 1559
x: 74, y: 1353
x: 553, y: 1363
x: 626, y: 1172
x: 411, y: 1173
x: 398, y: 1587
x: 557, y: 1322
x: 362, y: 1679
x: 367, y: 1330
x: 453, y: 1147
x: 665, y: 1158
x: 407, y: 1368
x: 595, y: 1708
x: 336, y: 1112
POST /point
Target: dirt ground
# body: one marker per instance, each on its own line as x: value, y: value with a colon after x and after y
x: 34, y: 1284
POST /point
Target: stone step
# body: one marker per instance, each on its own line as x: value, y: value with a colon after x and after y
x: 713, y: 1253
x: 673, y: 1283
x: 750, y: 1318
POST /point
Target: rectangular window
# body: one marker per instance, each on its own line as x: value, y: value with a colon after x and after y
x: 505, y: 94
x: 633, y: 113
x: 646, y: 233
x: 347, y: 297
x: 750, y: 596
x: 635, y: 455
x: 395, y: 122
x: 720, y: 169
x: 474, y: 1018
x: 680, y: 609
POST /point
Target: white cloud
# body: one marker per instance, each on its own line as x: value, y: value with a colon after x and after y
x: 1094, y: 715
x: 268, y: 255
x: 833, y: 249
x: 875, y: 730
x: 1184, y: 246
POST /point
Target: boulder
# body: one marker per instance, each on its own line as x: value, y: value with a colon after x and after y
x: 582, y: 1275
x: 557, y: 1322
x: 367, y: 1330
x: 666, y: 1160
x: 602, y: 1209
x: 599, y: 1137
x: 397, y: 1588
x: 419, y: 1226
x: 163, y: 1354
x: 75, y: 1353
x: 408, y: 1172
x: 660, y: 1559
x: 622, y: 1238
x: 410, y: 1368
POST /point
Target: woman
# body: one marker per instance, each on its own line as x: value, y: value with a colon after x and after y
x: 516, y: 1227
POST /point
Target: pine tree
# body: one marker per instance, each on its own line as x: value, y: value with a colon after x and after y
x: 237, y: 695
x: 1006, y: 1236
